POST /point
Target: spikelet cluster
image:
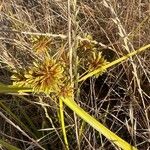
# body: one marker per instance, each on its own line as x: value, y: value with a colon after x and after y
x: 41, y: 44
x: 52, y: 74
x: 44, y: 77
x: 97, y: 61
x: 90, y: 56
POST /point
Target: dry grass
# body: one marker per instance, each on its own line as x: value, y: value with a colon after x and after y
x: 120, y: 98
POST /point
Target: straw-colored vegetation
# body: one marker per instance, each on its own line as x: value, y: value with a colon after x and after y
x: 74, y: 75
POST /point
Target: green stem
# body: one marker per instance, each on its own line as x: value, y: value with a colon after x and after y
x: 96, y: 71
x: 13, y: 89
x: 8, y: 146
x: 97, y: 125
x: 62, y: 120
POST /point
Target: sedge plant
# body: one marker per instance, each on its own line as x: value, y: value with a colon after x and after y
x: 51, y: 76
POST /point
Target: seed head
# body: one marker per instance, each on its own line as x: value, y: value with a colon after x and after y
x: 41, y: 44
x: 44, y: 77
x: 96, y: 62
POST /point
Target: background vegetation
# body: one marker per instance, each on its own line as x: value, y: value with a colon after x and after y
x: 119, y: 98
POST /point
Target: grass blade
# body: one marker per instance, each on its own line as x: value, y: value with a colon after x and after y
x: 62, y: 120
x: 7, y: 145
x: 96, y: 71
x: 97, y: 125
x: 13, y: 89
x: 17, y: 119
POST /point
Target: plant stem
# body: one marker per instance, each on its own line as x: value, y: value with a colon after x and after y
x: 96, y: 71
x: 97, y: 125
